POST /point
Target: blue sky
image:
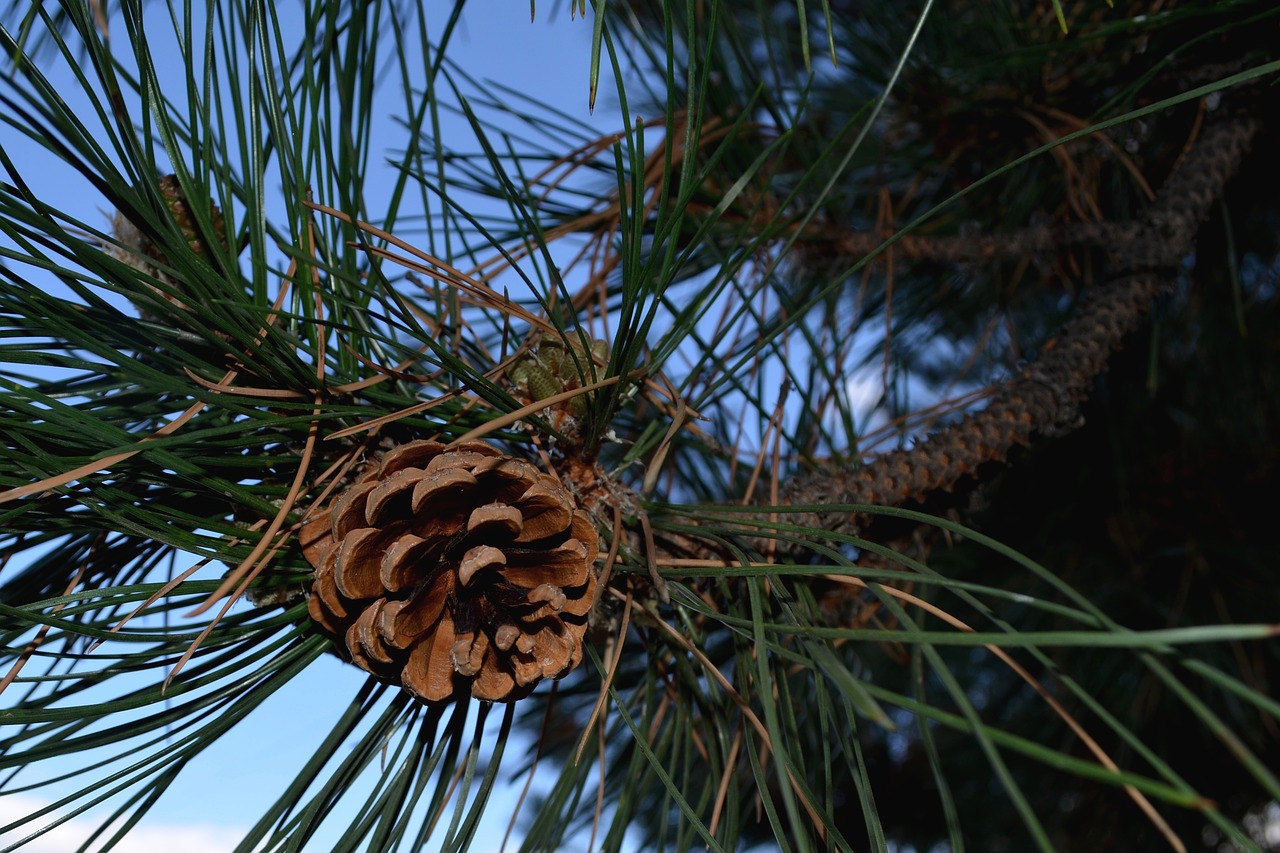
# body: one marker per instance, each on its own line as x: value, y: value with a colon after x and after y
x: 228, y: 787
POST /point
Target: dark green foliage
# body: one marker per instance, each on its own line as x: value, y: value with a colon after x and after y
x: 967, y: 212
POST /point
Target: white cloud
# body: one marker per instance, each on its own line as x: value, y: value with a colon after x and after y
x: 146, y: 837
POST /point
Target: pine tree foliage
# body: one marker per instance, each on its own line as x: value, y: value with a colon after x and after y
x: 1019, y: 596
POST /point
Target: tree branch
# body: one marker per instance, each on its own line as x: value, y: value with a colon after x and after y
x: 1044, y: 398
x: 979, y: 248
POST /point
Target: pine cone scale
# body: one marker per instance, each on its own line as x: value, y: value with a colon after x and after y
x: 479, y: 559
x: 468, y: 653
x: 494, y: 684
x: 441, y: 486
x: 399, y: 567
x: 367, y: 636
x: 429, y: 672
x: 560, y: 577
x: 495, y: 523
x: 357, y: 570
x: 381, y: 501
x: 320, y: 616
x: 422, y: 612
x: 325, y: 590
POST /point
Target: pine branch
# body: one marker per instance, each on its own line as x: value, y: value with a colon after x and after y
x: 986, y: 247
x: 1044, y: 398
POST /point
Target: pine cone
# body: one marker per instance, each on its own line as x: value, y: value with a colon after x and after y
x: 138, y: 251
x: 455, y: 571
x: 552, y: 368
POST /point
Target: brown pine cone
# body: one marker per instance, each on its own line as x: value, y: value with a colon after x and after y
x: 454, y: 571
